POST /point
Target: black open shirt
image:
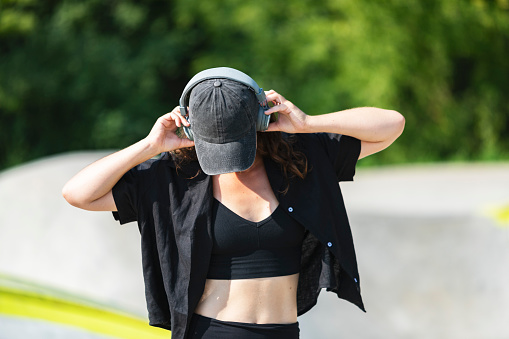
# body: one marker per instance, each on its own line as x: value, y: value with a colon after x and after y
x: 173, y: 211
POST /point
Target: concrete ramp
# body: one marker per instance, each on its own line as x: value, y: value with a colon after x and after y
x: 55, y: 257
x: 432, y: 244
x: 433, y: 253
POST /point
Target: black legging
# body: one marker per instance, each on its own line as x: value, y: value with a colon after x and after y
x: 207, y: 328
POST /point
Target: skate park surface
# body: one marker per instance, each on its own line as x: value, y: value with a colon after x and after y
x: 432, y: 245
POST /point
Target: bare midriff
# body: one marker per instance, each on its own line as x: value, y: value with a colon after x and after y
x: 259, y: 301
x: 271, y: 300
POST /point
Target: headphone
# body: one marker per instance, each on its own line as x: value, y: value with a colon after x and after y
x: 262, y: 121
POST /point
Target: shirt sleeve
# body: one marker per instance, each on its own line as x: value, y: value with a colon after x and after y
x: 342, y: 151
x: 125, y: 193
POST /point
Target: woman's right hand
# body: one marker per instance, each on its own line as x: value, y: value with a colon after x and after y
x: 163, y: 138
x: 91, y: 188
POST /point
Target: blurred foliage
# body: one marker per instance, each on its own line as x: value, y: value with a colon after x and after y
x: 96, y: 74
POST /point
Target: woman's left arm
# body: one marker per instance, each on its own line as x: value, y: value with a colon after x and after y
x: 376, y: 128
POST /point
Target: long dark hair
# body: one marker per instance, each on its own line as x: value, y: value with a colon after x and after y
x: 271, y: 145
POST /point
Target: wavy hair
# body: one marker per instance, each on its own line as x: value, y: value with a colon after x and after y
x: 271, y: 145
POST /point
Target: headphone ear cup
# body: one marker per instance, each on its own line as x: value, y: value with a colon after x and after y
x: 263, y: 119
x: 188, y: 131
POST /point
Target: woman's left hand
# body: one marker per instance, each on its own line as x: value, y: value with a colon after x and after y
x: 291, y: 119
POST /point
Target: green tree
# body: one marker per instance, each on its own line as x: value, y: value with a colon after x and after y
x: 96, y: 74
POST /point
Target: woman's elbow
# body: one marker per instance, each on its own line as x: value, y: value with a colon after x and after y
x: 68, y: 194
x: 398, y: 123
x: 71, y: 196
x: 395, y: 125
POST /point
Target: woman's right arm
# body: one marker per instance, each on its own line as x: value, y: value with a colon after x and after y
x: 90, y: 189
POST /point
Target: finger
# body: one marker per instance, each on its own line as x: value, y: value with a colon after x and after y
x: 182, y: 120
x: 274, y: 97
x: 270, y: 92
x: 166, y: 120
x: 271, y: 110
x: 184, y: 142
x: 170, y: 119
x: 177, y: 118
x: 282, y: 108
x: 178, y: 114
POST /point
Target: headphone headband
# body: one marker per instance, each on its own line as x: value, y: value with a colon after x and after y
x: 220, y: 73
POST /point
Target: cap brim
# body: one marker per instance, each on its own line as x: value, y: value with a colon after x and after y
x: 229, y: 157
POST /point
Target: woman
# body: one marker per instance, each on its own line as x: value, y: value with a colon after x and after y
x: 240, y: 230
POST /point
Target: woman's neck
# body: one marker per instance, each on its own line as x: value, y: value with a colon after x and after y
x: 253, y: 179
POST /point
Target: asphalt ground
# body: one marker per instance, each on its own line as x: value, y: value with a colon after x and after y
x: 432, y: 243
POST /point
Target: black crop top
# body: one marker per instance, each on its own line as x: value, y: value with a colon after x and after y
x: 244, y: 249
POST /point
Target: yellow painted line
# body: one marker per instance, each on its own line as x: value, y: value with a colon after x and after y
x: 499, y: 213
x: 101, y: 321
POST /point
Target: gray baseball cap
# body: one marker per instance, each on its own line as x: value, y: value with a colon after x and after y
x: 223, y: 114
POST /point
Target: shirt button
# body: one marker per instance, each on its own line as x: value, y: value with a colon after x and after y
x: 290, y: 209
x: 329, y: 244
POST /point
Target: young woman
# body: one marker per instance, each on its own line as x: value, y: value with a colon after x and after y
x: 240, y: 229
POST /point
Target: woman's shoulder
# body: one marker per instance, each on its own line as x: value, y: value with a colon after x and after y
x: 153, y: 164
x: 322, y: 140
x: 305, y: 142
x: 164, y: 169
x: 329, y: 149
